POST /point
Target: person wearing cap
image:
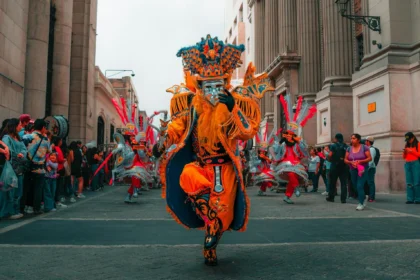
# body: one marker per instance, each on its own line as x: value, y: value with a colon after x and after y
x: 372, y: 168
x: 411, y: 155
x: 338, y: 169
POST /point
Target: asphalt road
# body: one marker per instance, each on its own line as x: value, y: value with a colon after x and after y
x: 100, y: 237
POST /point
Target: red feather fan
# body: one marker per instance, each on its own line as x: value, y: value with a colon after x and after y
x: 298, y: 108
x: 286, y: 111
x: 311, y: 113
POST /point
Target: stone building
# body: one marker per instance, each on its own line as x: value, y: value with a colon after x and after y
x: 362, y: 80
x: 47, y: 61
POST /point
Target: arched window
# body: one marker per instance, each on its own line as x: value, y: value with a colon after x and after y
x: 101, y: 131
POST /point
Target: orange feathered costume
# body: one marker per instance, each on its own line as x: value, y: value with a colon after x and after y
x: 201, y: 168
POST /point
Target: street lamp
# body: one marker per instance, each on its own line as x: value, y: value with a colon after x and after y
x: 372, y: 22
x: 119, y: 71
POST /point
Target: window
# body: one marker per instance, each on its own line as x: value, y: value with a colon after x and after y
x: 111, y: 133
x: 241, y: 13
x: 248, y: 44
x: 360, y: 49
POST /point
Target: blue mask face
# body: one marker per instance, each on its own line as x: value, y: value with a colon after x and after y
x: 212, y: 89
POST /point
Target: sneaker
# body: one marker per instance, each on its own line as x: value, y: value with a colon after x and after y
x: 325, y: 193
x: 135, y: 195
x: 72, y: 200
x: 329, y: 199
x: 53, y: 210
x: 29, y: 210
x: 63, y: 200
x: 261, y: 193
x: 360, y: 207
x: 128, y: 199
x: 16, y: 216
x: 81, y: 196
x: 297, y: 192
x: 39, y: 212
x: 416, y: 202
x: 371, y: 200
x: 364, y: 203
x: 61, y: 205
x: 409, y: 202
x: 313, y: 190
x: 288, y: 200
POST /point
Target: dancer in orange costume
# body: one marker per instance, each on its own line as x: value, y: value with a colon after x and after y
x: 201, y: 170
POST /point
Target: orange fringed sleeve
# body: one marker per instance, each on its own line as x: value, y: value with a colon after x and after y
x: 244, y: 120
x: 176, y: 130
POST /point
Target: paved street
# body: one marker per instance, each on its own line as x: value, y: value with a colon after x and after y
x: 103, y: 238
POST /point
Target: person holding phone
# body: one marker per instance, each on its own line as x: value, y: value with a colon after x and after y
x: 411, y: 154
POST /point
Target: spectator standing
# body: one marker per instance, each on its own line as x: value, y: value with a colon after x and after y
x: 322, y: 172
x: 76, y: 168
x: 358, y: 157
x: 412, y: 168
x: 18, y: 152
x: 4, y: 194
x: 314, y: 169
x: 339, y: 169
x: 85, y: 168
x: 327, y: 167
x: 51, y: 183
x: 37, y: 152
x: 60, y: 189
x: 372, y: 168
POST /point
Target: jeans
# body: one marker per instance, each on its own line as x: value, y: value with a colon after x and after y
x: 315, y: 179
x: 412, y: 178
x: 338, y: 172
x: 371, y: 183
x: 32, y: 190
x: 359, y: 183
x: 327, y: 181
x: 69, y: 187
x: 324, y: 178
x: 49, y: 194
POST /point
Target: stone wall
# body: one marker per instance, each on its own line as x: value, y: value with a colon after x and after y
x: 13, y: 34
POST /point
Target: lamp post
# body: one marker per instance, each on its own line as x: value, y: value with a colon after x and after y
x: 119, y: 71
x: 372, y: 22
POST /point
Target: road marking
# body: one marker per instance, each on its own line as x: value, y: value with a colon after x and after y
x: 44, y: 216
x: 396, y: 215
x: 244, y: 245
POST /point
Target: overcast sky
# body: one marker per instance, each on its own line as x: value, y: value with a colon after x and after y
x: 145, y: 35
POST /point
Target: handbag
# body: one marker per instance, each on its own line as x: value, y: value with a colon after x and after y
x: 8, y: 178
x: 20, y: 165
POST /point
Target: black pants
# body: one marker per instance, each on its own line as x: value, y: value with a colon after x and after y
x: 342, y: 173
x: 33, y: 186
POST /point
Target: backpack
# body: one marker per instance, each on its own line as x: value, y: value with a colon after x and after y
x: 339, y: 153
x: 377, y: 156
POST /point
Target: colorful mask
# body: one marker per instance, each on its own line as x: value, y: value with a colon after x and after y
x: 211, y: 90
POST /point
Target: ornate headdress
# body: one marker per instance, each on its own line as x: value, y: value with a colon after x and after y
x: 296, y: 121
x: 211, y: 59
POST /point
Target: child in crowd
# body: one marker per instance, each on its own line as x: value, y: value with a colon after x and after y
x: 51, y: 183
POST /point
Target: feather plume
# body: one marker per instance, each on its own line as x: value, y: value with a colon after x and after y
x: 298, y: 108
x: 303, y: 112
x: 124, y: 110
x: 257, y: 138
x: 311, y: 113
x: 117, y: 107
x: 285, y: 108
x: 289, y: 106
x: 278, y: 131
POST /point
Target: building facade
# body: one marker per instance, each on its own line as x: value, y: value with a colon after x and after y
x: 47, y: 61
x: 362, y: 80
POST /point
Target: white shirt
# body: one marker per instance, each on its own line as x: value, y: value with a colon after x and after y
x: 373, y: 154
x: 313, y: 163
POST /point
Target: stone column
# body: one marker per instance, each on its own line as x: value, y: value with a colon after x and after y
x: 287, y: 25
x: 366, y: 30
x: 259, y: 34
x: 37, y: 58
x: 271, y: 32
x: 338, y: 46
x: 259, y: 11
x: 61, y: 61
x: 309, y: 46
